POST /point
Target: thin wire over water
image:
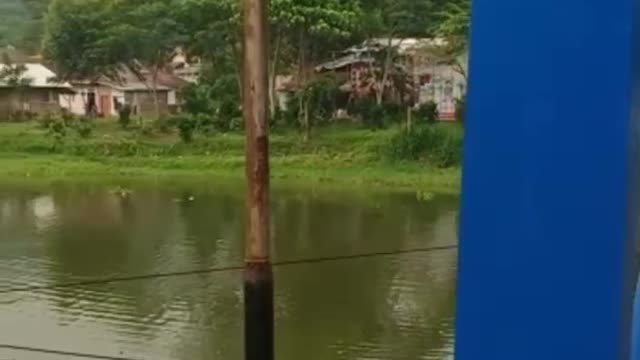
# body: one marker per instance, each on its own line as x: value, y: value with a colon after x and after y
x: 225, y: 269
x: 188, y: 273
x: 62, y: 353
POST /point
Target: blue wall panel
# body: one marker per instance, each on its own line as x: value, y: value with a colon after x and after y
x: 549, y: 210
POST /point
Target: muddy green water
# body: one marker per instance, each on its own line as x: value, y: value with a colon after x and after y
x: 392, y: 307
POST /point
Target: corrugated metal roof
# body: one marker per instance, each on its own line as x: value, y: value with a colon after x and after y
x: 344, y: 61
x: 402, y: 45
x: 40, y: 77
x: 128, y: 81
x: 133, y: 86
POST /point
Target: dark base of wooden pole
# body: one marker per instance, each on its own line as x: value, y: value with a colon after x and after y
x: 258, y: 311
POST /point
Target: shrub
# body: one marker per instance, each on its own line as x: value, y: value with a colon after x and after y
x: 163, y: 124
x: 322, y: 94
x: 83, y: 126
x: 124, y: 116
x: 57, y: 129
x: 186, y: 127
x: 144, y: 130
x: 440, y: 146
x: 358, y: 107
x: 197, y: 98
x: 460, y: 109
x: 68, y: 118
x: 21, y: 115
x: 375, y: 116
x: 427, y: 112
x: 394, y: 112
x: 236, y: 123
x: 45, y: 120
x: 368, y: 112
x: 289, y: 116
x: 277, y: 118
x: 229, y: 109
x: 174, y: 120
x: 207, y: 124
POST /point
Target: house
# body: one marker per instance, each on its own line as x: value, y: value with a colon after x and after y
x: 437, y: 75
x: 106, y: 96
x: 38, y: 93
x: 353, y: 69
x: 432, y: 75
x: 185, y: 67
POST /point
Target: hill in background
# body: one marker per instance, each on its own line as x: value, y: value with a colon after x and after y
x: 21, y: 23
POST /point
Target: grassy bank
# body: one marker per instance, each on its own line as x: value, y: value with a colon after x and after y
x: 336, y: 155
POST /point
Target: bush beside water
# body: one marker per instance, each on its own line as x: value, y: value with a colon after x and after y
x: 438, y: 145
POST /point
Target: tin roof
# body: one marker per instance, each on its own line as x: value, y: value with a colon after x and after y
x: 40, y: 77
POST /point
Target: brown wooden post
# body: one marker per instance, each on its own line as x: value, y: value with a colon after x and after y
x: 258, y: 277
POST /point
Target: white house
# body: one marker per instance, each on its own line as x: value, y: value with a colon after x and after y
x: 40, y: 93
x: 434, y: 76
x: 106, y: 96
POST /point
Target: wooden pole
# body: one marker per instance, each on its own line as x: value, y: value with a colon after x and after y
x: 258, y: 276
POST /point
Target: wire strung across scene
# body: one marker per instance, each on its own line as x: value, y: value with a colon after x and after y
x: 187, y: 273
x: 224, y: 269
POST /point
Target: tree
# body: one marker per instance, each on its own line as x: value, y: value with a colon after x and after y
x: 88, y: 39
x: 212, y: 31
x: 80, y: 39
x: 313, y: 26
x: 393, y: 21
x: 31, y: 39
x: 13, y: 77
x: 13, y: 15
x: 151, y: 33
x: 454, y: 27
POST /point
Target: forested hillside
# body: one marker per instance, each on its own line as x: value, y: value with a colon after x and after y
x: 21, y: 23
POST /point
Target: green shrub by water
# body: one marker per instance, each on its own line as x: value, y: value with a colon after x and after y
x: 59, y: 127
x: 438, y: 145
x: 84, y: 126
x: 124, y: 116
x: 460, y: 109
x: 186, y: 127
x: 427, y: 113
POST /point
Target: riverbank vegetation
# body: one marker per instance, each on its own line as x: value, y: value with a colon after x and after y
x: 377, y: 130
x: 427, y: 157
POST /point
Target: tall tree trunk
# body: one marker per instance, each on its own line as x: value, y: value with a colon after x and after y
x: 237, y: 55
x: 303, y: 105
x: 306, y: 122
x: 156, y: 99
x: 273, y: 98
x: 386, y: 68
x: 409, y: 117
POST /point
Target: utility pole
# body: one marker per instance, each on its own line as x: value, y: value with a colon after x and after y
x: 258, y: 275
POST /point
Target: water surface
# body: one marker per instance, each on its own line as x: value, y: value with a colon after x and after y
x: 391, y: 307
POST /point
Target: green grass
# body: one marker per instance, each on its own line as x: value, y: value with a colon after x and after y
x: 345, y: 157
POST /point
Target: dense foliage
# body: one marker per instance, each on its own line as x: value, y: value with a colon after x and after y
x: 438, y: 145
x: 91, y: 38
x: 21, y: 23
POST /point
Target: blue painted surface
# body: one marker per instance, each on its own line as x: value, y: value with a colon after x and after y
x: 549, y: 202
x: 635, y: 354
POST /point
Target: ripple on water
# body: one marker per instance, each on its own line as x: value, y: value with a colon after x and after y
x: 383, y: 308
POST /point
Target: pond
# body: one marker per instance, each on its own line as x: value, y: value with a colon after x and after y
x: 383, y: 307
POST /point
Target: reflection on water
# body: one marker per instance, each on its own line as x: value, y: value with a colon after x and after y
x: 395, y: 307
